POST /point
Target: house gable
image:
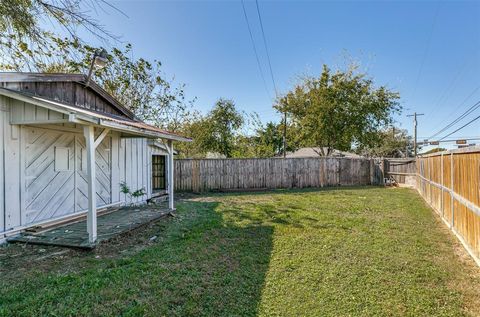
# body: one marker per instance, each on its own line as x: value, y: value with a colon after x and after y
x: 69, y: 89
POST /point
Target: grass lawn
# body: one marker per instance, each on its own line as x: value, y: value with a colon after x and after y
x: 344, y: 252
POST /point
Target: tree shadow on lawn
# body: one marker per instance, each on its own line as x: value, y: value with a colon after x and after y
x: 201, y: 265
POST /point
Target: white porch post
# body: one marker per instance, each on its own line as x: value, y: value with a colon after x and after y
x: 171, y: 204
x: 88, y: 132
x: 91, y: 144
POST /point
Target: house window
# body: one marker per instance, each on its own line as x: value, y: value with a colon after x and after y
x: 158, y: 172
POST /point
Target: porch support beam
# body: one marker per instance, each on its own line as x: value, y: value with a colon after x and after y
x: 102, y: 136
x: 171, y: 204
x: 89, y: 134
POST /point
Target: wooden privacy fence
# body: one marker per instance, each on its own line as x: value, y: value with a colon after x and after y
x: 200, y: 175
x: 401, y: 169
x: 450, y: 183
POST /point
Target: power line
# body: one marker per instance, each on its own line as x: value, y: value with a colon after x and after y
x: 463, y: 126
x: 452, y: 85
x: 266, y: 48
x: 425, y: 53
x: 459, y: 118
x: 255, y: 50
x: 455, y: 110
x: 273, y: 79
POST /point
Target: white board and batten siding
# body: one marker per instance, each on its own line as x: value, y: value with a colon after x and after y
x: 43, y: 167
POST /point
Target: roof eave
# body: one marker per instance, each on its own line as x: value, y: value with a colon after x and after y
x: 82, y: 116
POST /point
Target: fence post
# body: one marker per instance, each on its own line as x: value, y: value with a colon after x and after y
x: 441, y: 180
x: 383, y: 166
x: 372, y: 172
x: 451, y: 191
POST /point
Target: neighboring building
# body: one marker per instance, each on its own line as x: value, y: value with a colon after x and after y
x: 215, y: 155
x: 316, y: 152
x: 66, y: 148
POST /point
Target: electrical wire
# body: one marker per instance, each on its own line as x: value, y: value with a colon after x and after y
x: 266, y: 48
x: 463, y: 126
x: 427, y: 50
x: 459, y: 118
x: 455, y: 110
x: 255, y: 50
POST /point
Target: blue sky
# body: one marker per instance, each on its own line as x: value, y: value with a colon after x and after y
x: 429, y: 51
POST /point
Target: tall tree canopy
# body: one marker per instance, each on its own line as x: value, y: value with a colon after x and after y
x: 394, y: 142
x: 338, y: 110
x: 25, y: 40
x: 216, y: 132
x: 139, y: 84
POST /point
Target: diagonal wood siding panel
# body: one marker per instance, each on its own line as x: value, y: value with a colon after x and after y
x: 48, y: 193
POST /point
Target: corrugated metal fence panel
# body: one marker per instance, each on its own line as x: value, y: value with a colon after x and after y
x: 460, y: 207
x: 199, y: 175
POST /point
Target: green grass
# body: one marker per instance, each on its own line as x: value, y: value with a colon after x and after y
x: 347, y: 252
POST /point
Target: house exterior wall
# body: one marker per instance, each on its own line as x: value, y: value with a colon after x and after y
x: 43, y: 170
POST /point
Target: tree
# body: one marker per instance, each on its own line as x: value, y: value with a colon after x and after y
x: 216, y: 132
x: 138, y: 84
x: 394, y: 142
x: 24, y: 40
x: 434, y: 150
x: 268, y: 140
x: 338, y: 110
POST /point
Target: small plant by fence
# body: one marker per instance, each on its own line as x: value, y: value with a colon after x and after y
x: 200, y: 175
x: 450, y: 183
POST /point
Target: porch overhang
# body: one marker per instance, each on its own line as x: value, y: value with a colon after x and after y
x: 77, y: 115
x: 89, y: 120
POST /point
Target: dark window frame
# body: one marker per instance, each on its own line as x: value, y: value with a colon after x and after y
x: 159, y: 173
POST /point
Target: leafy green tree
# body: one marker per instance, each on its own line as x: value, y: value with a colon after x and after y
x: 435, y: 150
x: 24, y: 38
x: 394, y: 142
x: 138, y: 84
x: 338, y: 110
x: 221, y: 125
x: 266, y: 142
x: 216, y: 132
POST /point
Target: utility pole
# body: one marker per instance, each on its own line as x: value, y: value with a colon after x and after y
x: 415, y: 115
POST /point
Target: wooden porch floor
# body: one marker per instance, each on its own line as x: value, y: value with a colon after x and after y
x: 109, y: 225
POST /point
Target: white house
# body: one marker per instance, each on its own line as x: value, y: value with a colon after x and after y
x: 66, y: 146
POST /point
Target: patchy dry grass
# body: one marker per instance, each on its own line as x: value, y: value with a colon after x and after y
x: 346, y: 252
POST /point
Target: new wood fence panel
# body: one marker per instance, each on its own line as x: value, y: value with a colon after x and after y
x: 450, y: 183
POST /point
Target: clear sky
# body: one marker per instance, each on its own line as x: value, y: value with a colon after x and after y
x: 429, y: 51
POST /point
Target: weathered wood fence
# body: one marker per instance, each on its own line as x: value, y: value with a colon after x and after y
x: 198, y: 175
x: 403, y: 170
x: 450, y: 183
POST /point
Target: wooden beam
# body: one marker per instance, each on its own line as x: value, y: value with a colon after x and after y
x: 88, y: 132
x: 170, y: 166
x: 101, y: 137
